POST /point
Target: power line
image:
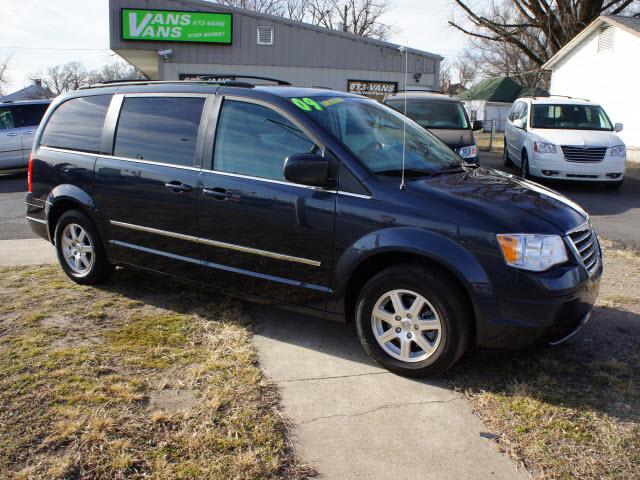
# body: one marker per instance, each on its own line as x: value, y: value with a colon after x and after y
x: 55, y: 48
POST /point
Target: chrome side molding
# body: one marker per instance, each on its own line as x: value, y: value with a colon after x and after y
x: 215, y: 243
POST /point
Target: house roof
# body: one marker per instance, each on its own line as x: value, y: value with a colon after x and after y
x: 502, y: 89
x: 630, y: 24
x: 32, y: 92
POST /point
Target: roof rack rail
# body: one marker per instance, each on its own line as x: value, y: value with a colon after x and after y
x: 123, y: 83
x: 234, y: 76
x: 563, y: 96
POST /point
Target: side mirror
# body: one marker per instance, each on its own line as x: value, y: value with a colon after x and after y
x: 518, y: 123
x: 618, y: 127
x: 477, y: 125
x: 308, y: 169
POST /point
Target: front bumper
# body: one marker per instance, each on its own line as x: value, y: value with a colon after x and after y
x: 529, y: 310
x: 556, y: 167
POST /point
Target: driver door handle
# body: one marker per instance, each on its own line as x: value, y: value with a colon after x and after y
x: 12, y: 134
x: 178, y: 187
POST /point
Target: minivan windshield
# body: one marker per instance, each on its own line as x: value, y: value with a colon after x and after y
x: 569, y: 116
x: 374, y: 134
x: 433, y: 113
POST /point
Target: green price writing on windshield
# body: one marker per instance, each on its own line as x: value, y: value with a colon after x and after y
x: 306, y: 104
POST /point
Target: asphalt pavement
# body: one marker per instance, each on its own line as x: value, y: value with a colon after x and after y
x: 13, y: 223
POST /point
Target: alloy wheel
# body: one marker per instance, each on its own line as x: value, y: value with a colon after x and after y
x: 77, y: 249
x: 406, y: 325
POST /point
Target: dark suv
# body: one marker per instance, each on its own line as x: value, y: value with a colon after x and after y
x: 312, y: 199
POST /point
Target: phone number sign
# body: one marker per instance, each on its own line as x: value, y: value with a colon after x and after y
x: 176, y: 26
x: 372, y: 88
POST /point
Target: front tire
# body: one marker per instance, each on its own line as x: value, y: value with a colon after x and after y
x: 413, y: 320
x: 524, y: 166
x: 506, y: 161
x: 79, y: 249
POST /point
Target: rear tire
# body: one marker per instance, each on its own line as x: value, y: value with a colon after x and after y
x: 80, y: 251
x: 413, y: 320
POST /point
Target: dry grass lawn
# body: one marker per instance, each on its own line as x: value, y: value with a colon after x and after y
x: 571, y: 412
x: 484, y: 139
x: 141, y: 378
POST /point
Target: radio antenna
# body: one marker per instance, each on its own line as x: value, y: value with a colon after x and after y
x: 404, y: 123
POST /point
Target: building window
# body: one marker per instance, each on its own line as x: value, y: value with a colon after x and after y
x: 605, y: 38
x: 265, y: 35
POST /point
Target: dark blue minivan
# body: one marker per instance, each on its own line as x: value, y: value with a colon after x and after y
x: 321, y: 201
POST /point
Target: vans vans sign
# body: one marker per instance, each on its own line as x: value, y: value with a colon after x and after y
x: 175, y: 26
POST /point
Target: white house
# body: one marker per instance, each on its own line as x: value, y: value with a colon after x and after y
x: 602, y: 64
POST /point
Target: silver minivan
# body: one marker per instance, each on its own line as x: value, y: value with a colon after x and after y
x: 18, y: 124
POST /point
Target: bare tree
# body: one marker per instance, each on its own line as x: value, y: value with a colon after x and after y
x: 116, y: 71
x: 444, y: 80
x: 272, y: 7
x: 529, y: 32
x: 63, y: 78
x: 5, y: 66
x: 360, y: 17
x: 73, y: 75
x: 465, y: 71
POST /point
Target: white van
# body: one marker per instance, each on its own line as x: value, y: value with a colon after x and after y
x: 564, y: 138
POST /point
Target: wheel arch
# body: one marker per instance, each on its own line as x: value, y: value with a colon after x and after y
x: 64, y: 198
x: 444, y: 255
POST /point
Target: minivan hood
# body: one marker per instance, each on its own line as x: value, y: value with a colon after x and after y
x: 497, y: 193
x: 453, y: 138
x: 579, y: 138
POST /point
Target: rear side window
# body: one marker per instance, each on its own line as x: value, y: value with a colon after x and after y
x: 32, y: 114
x: 160, y: 129
x: 255, y: 140
x: 7, y: 120
x: 77, y: 124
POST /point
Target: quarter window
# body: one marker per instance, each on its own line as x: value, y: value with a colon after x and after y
x: 77, y: 124
x: 161, y: 129
x: 255, y: 140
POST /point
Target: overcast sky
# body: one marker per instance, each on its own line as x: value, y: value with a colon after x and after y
x: 41, y: 33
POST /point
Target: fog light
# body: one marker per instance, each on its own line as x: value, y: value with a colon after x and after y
x: 549, y: 173
x: 613, y: 175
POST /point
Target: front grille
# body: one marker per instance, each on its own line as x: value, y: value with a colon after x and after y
x: 586, y: 245
x: 584, y: 154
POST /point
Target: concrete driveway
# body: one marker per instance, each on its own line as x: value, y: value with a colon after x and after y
x: 354, y: 420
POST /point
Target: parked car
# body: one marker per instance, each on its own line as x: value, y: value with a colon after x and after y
x: 563, y: 138
x: 18, y: 124
x: 299, y: 196
x: 442, y: 115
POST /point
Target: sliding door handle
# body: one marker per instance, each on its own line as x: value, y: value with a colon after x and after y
x: 178, y: 187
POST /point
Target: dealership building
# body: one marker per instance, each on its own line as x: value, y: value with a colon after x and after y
x: 177, y: 40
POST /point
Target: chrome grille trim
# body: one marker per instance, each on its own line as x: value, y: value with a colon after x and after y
x: 585, y: 246
x: 583, y: 154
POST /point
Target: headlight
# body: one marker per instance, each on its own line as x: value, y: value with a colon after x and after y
x: 544, y: 147
x: 617, y: 151
x: 467, y: 152
x: 532, y: 252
